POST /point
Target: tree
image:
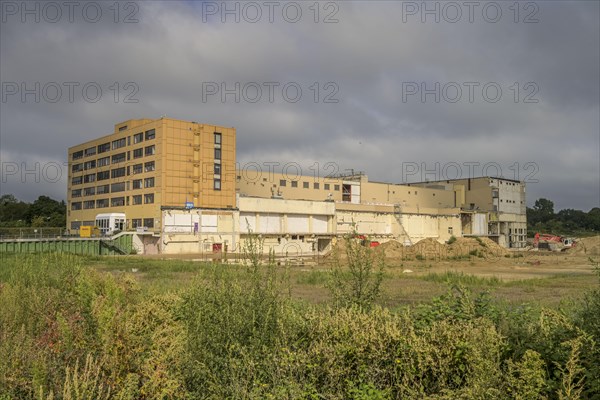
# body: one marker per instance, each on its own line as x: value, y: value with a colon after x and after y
x: 544, y: 209
x: 12, y: 211
x: 49, y: 209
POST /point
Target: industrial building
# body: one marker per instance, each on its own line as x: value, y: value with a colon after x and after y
x: 177, y: 184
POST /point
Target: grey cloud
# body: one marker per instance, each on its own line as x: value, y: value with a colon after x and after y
x: 368, y: 54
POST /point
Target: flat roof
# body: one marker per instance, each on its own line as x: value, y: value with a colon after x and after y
x: 463, y: 179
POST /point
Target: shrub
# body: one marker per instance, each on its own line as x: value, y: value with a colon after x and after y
x: 363, y: 284
x: 235, y: 328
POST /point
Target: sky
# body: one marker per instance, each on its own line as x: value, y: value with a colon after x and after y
x: 403, y: 91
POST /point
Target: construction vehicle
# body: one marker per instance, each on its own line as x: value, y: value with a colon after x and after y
x: 552, y: 242
x: 364, y: 241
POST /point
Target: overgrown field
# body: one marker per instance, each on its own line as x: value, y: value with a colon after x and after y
x: 177, y: 330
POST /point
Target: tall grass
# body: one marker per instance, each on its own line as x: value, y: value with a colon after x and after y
x: 69, y: 332
x: 460, y: 278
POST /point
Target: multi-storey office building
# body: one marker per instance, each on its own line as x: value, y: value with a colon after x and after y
x: 147, y: 164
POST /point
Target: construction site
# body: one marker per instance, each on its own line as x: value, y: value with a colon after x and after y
x: 173, y: 186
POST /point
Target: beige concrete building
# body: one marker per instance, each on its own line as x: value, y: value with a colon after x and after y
x: 356, y: 189
x: 146, y: 165
x: 174, y: 185
x: 381, y: 210
x: 494, y: 207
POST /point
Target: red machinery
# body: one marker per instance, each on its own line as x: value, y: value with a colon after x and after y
x: 552, y: 242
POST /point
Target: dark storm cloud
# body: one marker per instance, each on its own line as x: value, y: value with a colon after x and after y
x: 175, y: 50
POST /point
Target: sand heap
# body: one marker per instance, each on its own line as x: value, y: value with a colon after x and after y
x: 589, y: 246
x: 431, y: 249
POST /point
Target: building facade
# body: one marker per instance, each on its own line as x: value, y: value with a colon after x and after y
x: 177, y: 185
x: 145, y: 165
x: 490, y: 206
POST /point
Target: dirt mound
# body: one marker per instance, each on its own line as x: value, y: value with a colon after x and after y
x: 392, y: 249
x: 430, y: 249
x: 483, y: 247
x: 589, y: 246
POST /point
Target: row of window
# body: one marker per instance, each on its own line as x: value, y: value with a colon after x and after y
x: 115, y: 144
x: 114, y: 173
x: 306, y: 185
x: 113, y: 188
x: 114, y: 159
x: 147, y: 198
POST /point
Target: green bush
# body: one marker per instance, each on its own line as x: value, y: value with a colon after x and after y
x: 69, y: 332
x: 357, y: 282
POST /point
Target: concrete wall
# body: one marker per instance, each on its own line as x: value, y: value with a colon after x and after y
x: 383, y: 222
x: 289, y: 186
x: 199, y: 231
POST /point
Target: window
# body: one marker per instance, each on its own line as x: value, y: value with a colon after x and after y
x: 149, y: 182
x: 138, y: 169
x: 217, y: 184
x: 149, y: 166
x: 90, y: 151
x: 151, y: 134
x: 88, y: 204
x: 149, y: 222
x: 137, y: 199
x: 89, y: 191
x: 117, y: 144
x: 117, y: 201
x: 77, y: 155
x: 77, y: 167
x: 76, y: 180
x: 295, y: 184
x: 117, y: 158
x: 316, y: 185
x: 217, y: 169
x: 136, y: 223
x: 89, y: 178
x: 305, y: 185
x: 102, y: 203
x: 104, y: 147
x: 137, y: 184
x: 89, y: 164
x: 138, y: 138
x: 137, y: 153
x: 102, y: 162
x: 282, y: 182
x: 347, y: 192
x: 326, y: 186
x: 102, y: 189
x: 117, y: 187
x: 217, y: 154
x: 117, y: 172
x: 122, y: 128
x: 76, y: 193
x: 450, y: 230
x: 217, y: 138
x: 76, y: 206
x: 336, y: 187
x: 149, y: 198
x: 150, y: 150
